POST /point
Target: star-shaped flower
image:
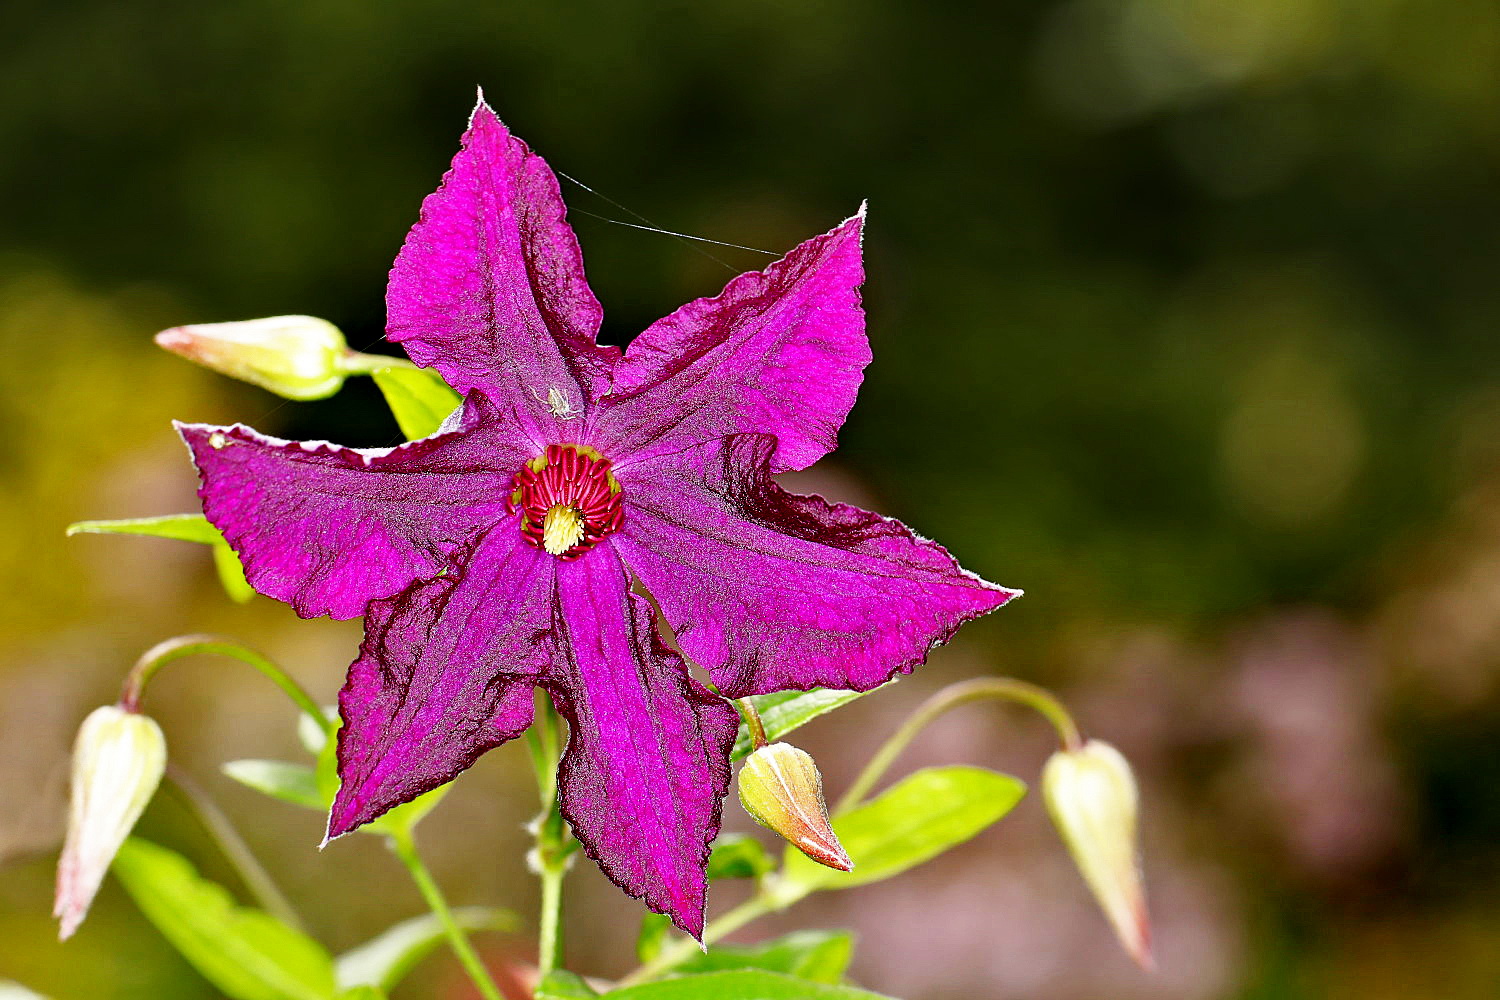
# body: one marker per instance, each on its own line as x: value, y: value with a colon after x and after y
x: 511, y: 549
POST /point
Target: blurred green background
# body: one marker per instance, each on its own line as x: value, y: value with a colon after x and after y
x: 1184, y: 321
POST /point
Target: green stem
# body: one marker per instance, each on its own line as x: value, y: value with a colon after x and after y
x: 949, y: 698
x: 551, y: 856
x: 549, y: 929
x: 405, y: 848
x: 681, y: 949
x: 163, y: 653
x: 230, y: 844
x: 753, y: 722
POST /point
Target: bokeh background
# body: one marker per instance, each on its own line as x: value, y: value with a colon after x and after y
x: 1184, y: 319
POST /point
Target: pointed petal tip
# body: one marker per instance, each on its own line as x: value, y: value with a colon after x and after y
x: 482, y: 114
x: 340, y: 823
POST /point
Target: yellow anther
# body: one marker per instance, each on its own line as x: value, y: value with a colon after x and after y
x: 562, y: 529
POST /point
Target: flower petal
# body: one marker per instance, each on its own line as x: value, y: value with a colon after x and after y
x: 446, y: 672
x: 328, y: 529
x: 489, y: 288
x: 647, y: 761
x: 780, y: 351
x: 772, y: 591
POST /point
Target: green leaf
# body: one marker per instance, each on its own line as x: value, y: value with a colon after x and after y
x: 738, y: 855
x: 741, y: 985
x: 182, y: 528
x: 384, y: 960
x: 231, y: 573
x: 294, y: 783
x: 784, y: 711
x: 363, y: 993
x: 245, y: 953
x: 652, y: 937
x: 915, y: 820
x: 560, y: 985
x: 418, y: 397
x: 817, y: 956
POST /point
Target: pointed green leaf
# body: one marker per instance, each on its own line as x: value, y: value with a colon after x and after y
x: 817, y: 956
x: 294, y: 783
x: 384, y: 960
x: 560, y: 985
x: 917, y: 819
x: 418, y: 397
x: 741, y: 985
x: 231, y: 573
x: 784, y: 711
x: 738, y: 855
x: 245, y: 953
x: 183, y: 528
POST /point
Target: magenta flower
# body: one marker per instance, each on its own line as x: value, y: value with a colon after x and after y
x: 510, y: 550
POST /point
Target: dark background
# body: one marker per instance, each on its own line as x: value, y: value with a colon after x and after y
x: 1183, y: 315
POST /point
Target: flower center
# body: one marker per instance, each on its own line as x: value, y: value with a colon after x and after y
x: 569, y: 500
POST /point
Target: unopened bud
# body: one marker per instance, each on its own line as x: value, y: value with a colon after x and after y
x: 118, y: 760
x: 781, y: 789
x: 299, y: 357
x: 1091, y: 795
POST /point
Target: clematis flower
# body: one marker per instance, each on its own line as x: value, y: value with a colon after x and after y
x: 510, y: 550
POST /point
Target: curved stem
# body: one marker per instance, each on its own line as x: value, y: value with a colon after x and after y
x: 163, y: 653
x: 949, y: 698
x: 682, y: 949
x: 405, y: 848
x: 229, y: 842
x: 753, y: 722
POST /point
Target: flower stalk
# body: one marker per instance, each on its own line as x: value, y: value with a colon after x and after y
x: 944, y: 701
x: 233, y: 847
x: 552, y: 854
x: 162, y: 653
x: 404, y: 846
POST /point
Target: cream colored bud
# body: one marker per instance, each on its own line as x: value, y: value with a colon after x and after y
x: 118, y: 760
x: 781, y: 789
x: 1091, y: 795
x: 299, y: 357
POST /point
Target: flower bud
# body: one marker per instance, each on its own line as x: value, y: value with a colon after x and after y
x: 299, y: 357
x: 118, y: 760
x: 781, y: 789
x: 1091, y: 796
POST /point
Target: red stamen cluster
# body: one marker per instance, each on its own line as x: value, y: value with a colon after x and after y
x: 573, y: 477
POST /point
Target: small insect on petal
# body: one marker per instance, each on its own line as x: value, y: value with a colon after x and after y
x: 782, y: 790
x: 118, y: 760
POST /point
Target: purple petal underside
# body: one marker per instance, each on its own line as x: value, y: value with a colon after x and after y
x: 489, y: 288
x: 446, y: 672
x: 780, y: 351
x: 772, y: 591
x: 647, y: 761
x: 329, y: 529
